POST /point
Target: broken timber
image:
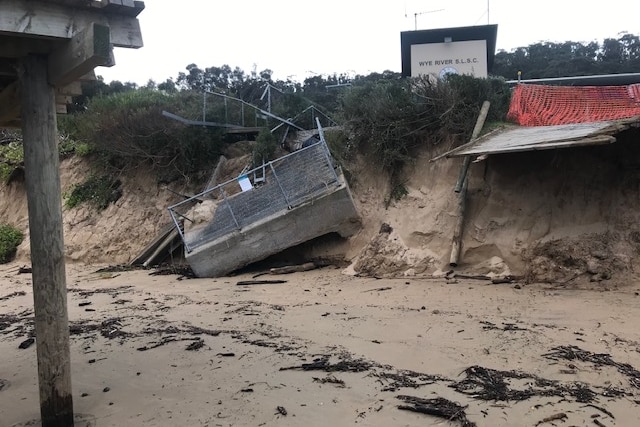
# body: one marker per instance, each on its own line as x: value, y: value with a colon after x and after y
x: 45, y: 48
x: 461, y: 189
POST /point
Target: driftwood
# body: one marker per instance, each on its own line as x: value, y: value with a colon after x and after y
x: 323, y: 364
x: 293, y: 268
x: 260, y: 282
x: 470, y: 276
x: 506, y: 279
x: 14, y: 294
x: 604, y: 411
x: 554, y: 417
x: 437, y: 407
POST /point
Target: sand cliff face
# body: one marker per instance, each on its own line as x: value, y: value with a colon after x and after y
x: 115, y: 235
x: 569, y: 215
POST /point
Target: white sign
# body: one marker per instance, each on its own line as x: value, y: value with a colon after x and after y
x: 440, y: 59
x: 245, y: 183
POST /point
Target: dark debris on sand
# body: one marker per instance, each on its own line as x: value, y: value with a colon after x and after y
x: 572, y: 352
x: 437, y: 407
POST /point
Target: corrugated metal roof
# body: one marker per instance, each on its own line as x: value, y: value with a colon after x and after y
x: 532, y: 138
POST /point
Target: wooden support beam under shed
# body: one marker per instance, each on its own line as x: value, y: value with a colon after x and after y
x: 87, y: 49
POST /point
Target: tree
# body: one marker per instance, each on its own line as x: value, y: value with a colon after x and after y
x: 546, y: 59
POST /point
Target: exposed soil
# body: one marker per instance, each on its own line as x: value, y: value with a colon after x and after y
x: 566, y: 216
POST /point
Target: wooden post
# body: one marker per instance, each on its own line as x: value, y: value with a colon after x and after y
x: 47, y: 246
x: 456, y: 245
x: 461, y: 189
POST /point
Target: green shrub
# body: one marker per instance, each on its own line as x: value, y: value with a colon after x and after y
x: 265, y: 148
x: 398, y: 191
x: 11, y: 157
x: 471, y: 92
x: 68, y: 147
x: 128, y: 130
x: 389, y: 118
x: 10, y: 238
x: 382, y: 117
x: 98, y: 191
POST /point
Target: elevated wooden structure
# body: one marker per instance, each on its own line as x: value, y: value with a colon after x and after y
x: 75, y: 35
x: 46, y: 48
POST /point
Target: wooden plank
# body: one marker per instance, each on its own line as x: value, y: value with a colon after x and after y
x: 163, y: 247
x: 89, y: 77
x: 18, y: 47
x: 8, y: 69
x: 73, y: 89
x: 61, y: 108
x: 47, y: 245
x: 63, y: 99
x: 524, y: 138
x: 88, y: 49
x: 582, y: 142
x: 123, y: 7
x: 41, y: 19
x: 13, y: 124
x: 10, y: 103
x: 151, y: 247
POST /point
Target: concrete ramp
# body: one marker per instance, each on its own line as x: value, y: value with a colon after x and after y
x: 286, y: 202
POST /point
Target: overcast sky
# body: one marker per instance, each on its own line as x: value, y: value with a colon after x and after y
x: 300, y: 38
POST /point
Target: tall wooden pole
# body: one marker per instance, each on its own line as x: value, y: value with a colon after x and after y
x: 41, y: 161
x: 461, y: 189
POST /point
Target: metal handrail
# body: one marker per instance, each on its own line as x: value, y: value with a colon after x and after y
x: 270, y: 165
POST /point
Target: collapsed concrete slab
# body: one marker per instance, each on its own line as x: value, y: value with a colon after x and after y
x: 286, y: 202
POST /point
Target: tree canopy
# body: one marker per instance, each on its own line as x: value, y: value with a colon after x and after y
x: 568, y: 59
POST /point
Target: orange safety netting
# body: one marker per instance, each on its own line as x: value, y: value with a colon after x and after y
x: 540, y: 105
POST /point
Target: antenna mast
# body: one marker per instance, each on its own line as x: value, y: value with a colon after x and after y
x: 415, y: 16
x: 488, y: 20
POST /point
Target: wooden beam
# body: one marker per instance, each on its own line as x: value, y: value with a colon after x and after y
x: 14, y: 124
x: 88, y: 49
x: 18, y: 47
x: 10, y: 103
x: 461, y: 189
x: 44, y: 203
x: 73, y: 89
x: 63, y: 99
x: 61, y: 108
x: 44, y: 19
x: 8, y: 68
x: 89, y: 77
x: 124, y: 7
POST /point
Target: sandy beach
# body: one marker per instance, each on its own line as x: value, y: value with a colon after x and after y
x: 324, y: 348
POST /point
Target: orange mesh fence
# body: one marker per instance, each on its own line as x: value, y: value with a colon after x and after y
x: 540, y: 105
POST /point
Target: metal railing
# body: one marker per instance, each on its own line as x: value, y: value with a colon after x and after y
x: 277, y: 186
